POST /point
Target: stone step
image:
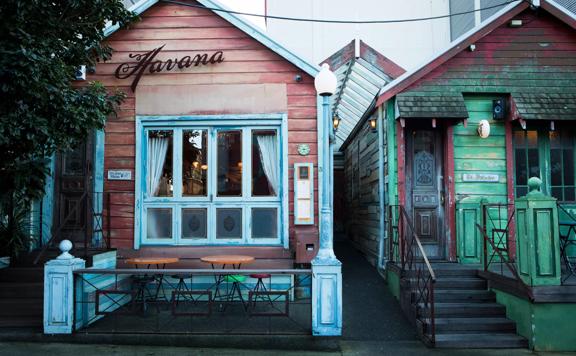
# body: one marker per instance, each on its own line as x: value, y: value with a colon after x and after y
x: 481, y: 340
x: 21, y: 290
x: 466, y: 310
x: 474, y: 325
x: 460, y: 283
x: 463, y: 295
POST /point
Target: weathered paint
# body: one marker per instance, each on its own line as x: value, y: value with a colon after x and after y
x: 393, y: 282
x: 250, y: 61
x: 538, y: 239
x: 48, y: 203
x: 547, y: 326
x: 326, y: 299
x: 98, y: 185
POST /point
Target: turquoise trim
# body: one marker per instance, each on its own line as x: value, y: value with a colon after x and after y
x: 48, y: 202
x: 98, y: 184
x: 382, y: 213
x: 241, y: 24
x: 212, y: 123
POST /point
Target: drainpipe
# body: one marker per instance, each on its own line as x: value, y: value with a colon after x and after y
x: 381, y: 196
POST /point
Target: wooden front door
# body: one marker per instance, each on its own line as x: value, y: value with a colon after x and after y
x: 425, y: 188
x: 73, y: 178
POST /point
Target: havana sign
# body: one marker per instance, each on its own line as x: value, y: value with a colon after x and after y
x: 145, y: 62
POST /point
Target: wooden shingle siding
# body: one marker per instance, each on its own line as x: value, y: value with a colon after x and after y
x: 188, y: 31
x: 361, y: 208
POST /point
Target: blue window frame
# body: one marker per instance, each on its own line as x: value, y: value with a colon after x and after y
x: 211, y: 180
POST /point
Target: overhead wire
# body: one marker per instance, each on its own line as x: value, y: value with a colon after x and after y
x: 360, y: 22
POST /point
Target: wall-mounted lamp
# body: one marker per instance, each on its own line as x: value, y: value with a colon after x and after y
x: 483, y: 128
x: 204, y: 167
x: 373, y: 124
x: 336, y: 121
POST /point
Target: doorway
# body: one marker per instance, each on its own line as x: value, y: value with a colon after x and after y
x: 73, y: 186
x: 425, y: 190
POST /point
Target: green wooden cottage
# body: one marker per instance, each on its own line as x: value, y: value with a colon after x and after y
x: 473, y: 245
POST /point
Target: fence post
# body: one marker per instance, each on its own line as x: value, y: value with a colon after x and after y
x: 537, y: 234
x: 59, y: 291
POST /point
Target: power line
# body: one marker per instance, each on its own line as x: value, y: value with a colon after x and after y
x: 341, y: 21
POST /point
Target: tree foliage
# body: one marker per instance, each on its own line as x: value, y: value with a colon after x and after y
x: 42, y: 43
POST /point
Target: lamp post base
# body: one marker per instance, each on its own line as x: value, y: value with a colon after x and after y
x: 326, y: 297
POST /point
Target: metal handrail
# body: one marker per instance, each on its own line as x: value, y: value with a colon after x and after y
x: 425, y: 278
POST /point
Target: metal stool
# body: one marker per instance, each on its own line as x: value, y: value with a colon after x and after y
x: 260, y: 287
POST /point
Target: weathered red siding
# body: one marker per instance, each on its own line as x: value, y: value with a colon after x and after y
x: 186, y: 31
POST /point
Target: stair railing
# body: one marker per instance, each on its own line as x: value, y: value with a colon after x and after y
x: 417, y: 269
x: 93, y: 224
x: 498, y: 232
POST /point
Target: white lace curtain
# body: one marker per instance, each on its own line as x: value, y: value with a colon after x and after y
x: 157, y: 149
x: 269, y: 157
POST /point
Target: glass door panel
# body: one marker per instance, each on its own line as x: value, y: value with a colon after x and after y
x: 265, y: 163
x: 159, y: 170
x: 195, y: 163
x: 229, y: 163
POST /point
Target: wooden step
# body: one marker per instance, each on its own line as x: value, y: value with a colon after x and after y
x: 481, y: 340
x: 22, y: 274
x: 460, y: 283
x: 20, y: 321
x: 465, y: 310
x: 21, y: 290
x: 21, y: 307
x: 474, y: 325
x: 463, y: 295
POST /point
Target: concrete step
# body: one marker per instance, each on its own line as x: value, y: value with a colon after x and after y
x: 463, y: 295
x: 474, y: 325
x: 481, y: 340
x: 21, y: 290
x: 467, y: 310
x: 460, y: 283
x: 21, y: 307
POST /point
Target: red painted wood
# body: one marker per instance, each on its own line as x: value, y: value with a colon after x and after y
x: 401, y: 156
x: 186, y: 31
x: 444, y: 57
x: 451, y: 192
x: 510, y: 188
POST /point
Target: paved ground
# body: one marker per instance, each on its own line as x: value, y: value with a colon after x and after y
x: 370, y: 312
x: 348, y: 348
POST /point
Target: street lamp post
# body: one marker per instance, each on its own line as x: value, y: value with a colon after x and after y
x: 326, y: 269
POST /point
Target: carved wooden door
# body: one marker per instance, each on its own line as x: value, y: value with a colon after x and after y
x: 425, y: 188
x: 72, y: 179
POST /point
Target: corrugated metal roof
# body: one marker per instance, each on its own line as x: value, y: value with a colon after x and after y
x: 361, y: 72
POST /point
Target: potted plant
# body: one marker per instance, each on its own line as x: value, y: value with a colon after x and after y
x: 14, y: 230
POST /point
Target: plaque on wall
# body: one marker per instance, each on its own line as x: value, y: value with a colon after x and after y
x: 119, y: 175
x: 480, y: 177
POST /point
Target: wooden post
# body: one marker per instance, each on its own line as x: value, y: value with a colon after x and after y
x: 537, y: 237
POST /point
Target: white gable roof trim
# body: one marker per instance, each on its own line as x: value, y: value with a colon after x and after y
x: 240, y: 23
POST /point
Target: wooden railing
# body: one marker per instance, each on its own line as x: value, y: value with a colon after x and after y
x: 406, y: 250
x: 497, y: 233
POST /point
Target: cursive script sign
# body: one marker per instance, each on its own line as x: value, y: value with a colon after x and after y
x: 145, y: 62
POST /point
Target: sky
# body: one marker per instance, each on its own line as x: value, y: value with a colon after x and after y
x: 250, y: 6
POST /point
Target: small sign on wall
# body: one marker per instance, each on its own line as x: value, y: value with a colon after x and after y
x: 303, y: 194
x: 119, y: 175
x: 480, y: 177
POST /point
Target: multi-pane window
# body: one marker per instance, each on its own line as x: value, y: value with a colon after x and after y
x: 548, y: 155
x: 230, y: 185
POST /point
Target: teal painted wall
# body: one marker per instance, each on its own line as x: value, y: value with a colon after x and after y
x: 393, y: 282
x: 547, y: 326
x: 473, y: 154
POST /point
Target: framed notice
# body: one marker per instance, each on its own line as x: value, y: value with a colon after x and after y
x: 303, y: 194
